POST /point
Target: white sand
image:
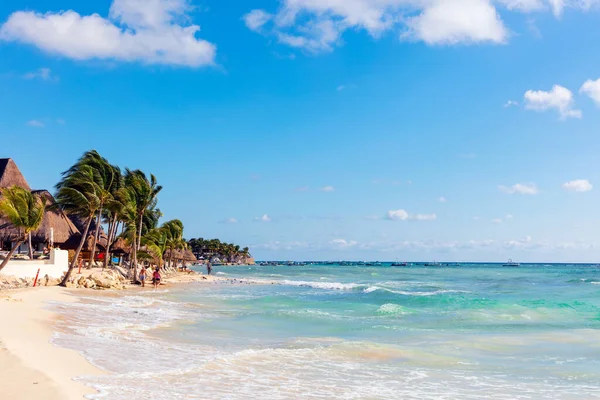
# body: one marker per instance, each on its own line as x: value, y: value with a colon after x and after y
x: 31, y: 367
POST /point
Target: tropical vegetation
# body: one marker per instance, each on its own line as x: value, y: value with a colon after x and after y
x: 25, y: 211
x: 111, y: 204
x: 215, y: 249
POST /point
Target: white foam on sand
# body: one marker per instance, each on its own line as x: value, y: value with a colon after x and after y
x: 118, y: 334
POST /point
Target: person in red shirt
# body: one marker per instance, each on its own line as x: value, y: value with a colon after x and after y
x: 156, y: 278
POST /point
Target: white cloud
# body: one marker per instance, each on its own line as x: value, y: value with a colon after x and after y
x: 424, y: 217
x: 520, y: 188
x: 35, y: 124
x: 442, y: 199
x: 397, y: 215
x: 507, y: 217
x: 147, y: 31
x: 328, y: 189
x: 343, y: 243
x: 521, y: 243
x: 511, y: 103
x: 264, y: 218
x: 578, y: 185
x: 319, y: 25
x: 230, y: 221
x: 458, y: 21
x: 44, y: 74
x: 256, y: 19
x: 523, y: 5
x: 592, y: 89
x: 559, y: 99
x: 403, y: 215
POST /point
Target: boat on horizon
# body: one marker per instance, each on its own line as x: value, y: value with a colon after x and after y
x: 511, y: 263
x: 399, y: 264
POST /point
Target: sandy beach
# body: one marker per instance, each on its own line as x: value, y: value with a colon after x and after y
x: 32, y: 367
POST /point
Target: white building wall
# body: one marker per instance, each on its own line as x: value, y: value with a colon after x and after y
x: 55, y: 267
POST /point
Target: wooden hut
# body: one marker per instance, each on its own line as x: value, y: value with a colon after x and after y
x: 56, y: 226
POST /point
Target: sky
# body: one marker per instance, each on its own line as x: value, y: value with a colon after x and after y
x: 449, y: 130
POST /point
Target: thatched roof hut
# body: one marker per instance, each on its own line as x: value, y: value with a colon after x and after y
x: 55, y: 222
x: 188, y: 256
x: 121, y: 247
x: 10, y: 175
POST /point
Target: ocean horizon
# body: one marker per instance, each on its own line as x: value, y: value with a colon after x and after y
x: 340, y: 332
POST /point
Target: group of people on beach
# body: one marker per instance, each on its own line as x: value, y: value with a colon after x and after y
x: 155, y: 277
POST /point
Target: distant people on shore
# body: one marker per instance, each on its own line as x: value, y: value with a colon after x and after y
x: 143, y: 276
x: 208, y: 268
x: 156, y: 278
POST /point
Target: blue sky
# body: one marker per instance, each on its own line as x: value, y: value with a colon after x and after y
x: 325, y: 129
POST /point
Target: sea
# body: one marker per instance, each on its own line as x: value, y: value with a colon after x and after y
x: 471, y: 331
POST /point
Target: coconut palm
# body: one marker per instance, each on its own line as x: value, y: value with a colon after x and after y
x: 144, y: 191
x: 118, y: 210
x: 108, y: 179
x: 174, y: 237
x: 24, y: 210
x: 79, y: 194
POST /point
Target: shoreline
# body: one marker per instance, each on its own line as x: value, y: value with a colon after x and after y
x: 36, y: 368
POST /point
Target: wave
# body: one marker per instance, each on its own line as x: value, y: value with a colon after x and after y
x: 365, y: 288
x: 392, y: 309
x: 324, y: 285
x: 372, y: 289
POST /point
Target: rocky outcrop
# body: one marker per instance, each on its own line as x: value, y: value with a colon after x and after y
x: 100, y: 280
x: 11, y: 282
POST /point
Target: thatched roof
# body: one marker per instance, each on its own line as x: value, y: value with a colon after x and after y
x: 189, y: 256
x: 10, y: 174
x: 121, y: 247
x: 54, y: 219
x: 185, y: 255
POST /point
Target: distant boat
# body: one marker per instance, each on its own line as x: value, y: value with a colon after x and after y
x: 511, y: 263
x: 399, y: 264
x: 433, y: 264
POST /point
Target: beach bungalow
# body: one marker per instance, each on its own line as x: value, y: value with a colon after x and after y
x: 57, y: 230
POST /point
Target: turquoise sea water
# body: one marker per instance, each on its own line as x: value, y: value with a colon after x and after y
x: 338, y: 332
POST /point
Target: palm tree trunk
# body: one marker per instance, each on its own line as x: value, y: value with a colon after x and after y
x: 98, y: 226
x: 29, y: 245
x: 10, y: 254
x: 112, y: 232
x: 138, y: 245
x: 74, y: 262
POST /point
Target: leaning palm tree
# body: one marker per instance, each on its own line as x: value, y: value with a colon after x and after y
x: 79, y: 194
x: 174, y: 237
x: 108, y: 180
x: 24, y: 210
x: 144, y: 191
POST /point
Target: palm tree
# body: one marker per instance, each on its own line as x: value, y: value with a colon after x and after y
x: 174, y: 237
x: 24, y: 210
x: 108, y: 179
x: 144, y: 192
x: 78, y: 194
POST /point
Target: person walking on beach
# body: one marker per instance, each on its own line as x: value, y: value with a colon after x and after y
x: 156, y: 278
x: 208, y: 268
x: 143, y: 276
